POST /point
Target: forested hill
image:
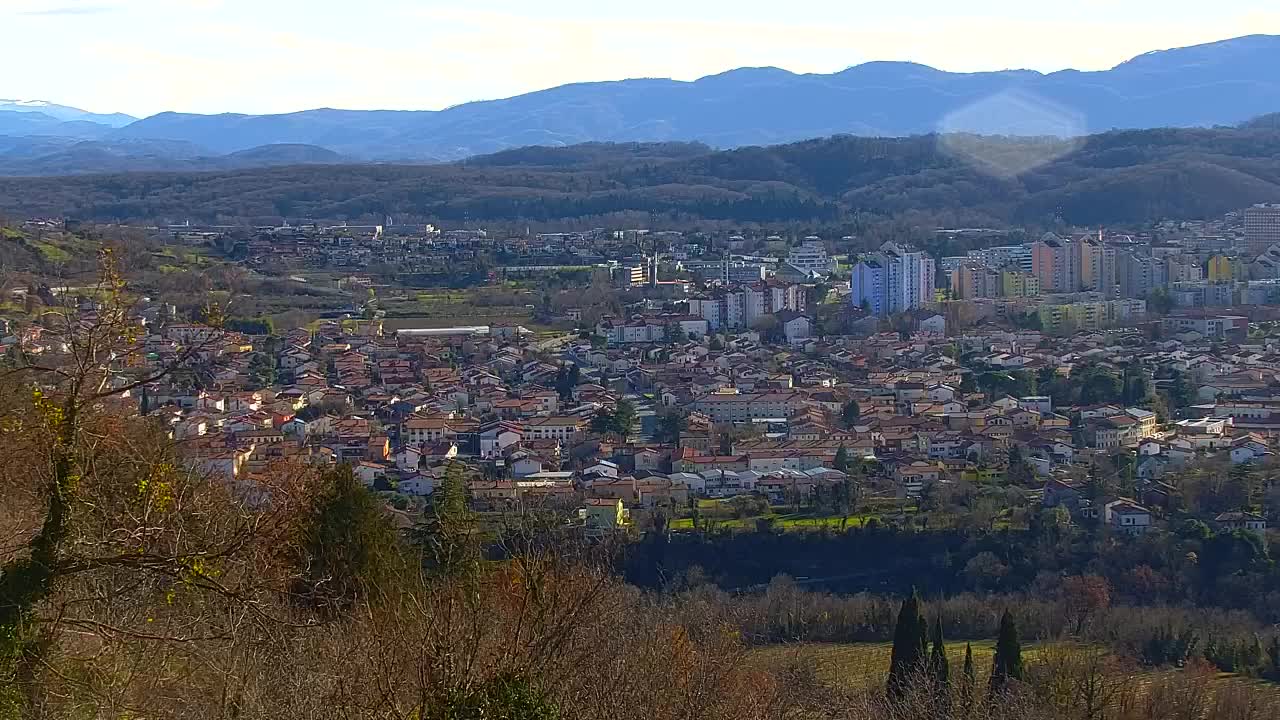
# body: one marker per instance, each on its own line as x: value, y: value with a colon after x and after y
x: 1114, y: 178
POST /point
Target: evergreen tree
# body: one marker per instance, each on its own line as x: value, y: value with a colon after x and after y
x: 1007, y: 664
x: 842, y: 459
x: 450, y: 499
x: 446, y: 537
x: 849, y: 415
x: 144, y: 402
x: 910, y: 647
x: 348, y: 548
x: 624, y: 419
x: 939, y: 668
x: 671, y: 426
x: 970, y: 673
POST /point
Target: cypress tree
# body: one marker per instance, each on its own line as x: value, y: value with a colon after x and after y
x: 1007, y: 664
x: 939, y: 668
x: 910, y: 648
x: 969, y: 672
x: 841, y: 462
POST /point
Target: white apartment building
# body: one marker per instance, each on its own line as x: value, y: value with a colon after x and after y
x: 745, y: 407
x: 741, y: 307
x: 811, y: 256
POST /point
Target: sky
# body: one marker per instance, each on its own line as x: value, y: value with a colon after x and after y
x: 267, y: 56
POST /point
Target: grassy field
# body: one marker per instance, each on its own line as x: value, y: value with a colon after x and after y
x: 863, y: 665
x: 859, y: 666
x: 784, y: 517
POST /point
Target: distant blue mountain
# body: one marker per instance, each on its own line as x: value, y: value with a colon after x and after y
x: 64, y: 113
x: 1222, y: 83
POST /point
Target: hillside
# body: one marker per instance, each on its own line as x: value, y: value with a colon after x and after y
x: 46, y: 155
x: 1114, y: 178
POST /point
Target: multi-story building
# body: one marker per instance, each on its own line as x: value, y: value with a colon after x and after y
x: 1223, y: 269
x: 1202, y: 294
x: 1138, y: 275
x: 867, y: 286
x: 900, y: 278
x: 1207, y: 325
x: 1183, y: 269
x: 910, y: 278
x: 1015, y: 257
x: 1042, y: 264
x: 745, y: 407
x: 1090, y: 315
x: 811, y: 256
x: 742, y: 306
x: 970, y: 281
x: 1260, y: 292
x: 1017, y: 284
x: 633, y: 275
x: 1090, y: 263
x: 1106, y: 281
x: 1067, y: 271
x: 1261, y: 227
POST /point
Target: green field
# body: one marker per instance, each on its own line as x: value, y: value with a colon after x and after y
x: 721, y: 515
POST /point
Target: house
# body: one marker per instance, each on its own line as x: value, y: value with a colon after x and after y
x: 795, y: 326
x: 911, y: 479
x: 421, y: 485
x: 369, y: 472
x: 604, y: 514
x: 602, y: 470
x: 408, y: 458
x: 936, y: 324
x: 497, y: 437
x: 1251, y: 522
x: 525, y: 464
x: 1126, y: 516
x: 1065, y: 493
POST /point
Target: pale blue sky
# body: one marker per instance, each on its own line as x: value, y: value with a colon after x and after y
x: 144, y: 56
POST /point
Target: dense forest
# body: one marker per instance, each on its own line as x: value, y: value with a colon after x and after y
x: 1117, y: 178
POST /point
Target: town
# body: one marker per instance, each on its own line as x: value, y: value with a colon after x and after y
x: 702, y: 384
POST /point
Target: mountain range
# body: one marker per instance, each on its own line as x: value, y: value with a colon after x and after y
x: 1222, y: 83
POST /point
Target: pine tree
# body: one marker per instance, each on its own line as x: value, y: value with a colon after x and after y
x: 970, y: 672
x: 144, y: 402
x: 939, y: 668
x: 1007, y: 664
x: 910, y: 647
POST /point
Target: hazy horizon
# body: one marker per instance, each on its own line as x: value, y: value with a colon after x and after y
x: 142, y: 57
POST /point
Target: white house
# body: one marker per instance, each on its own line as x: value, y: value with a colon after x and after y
x: 497, y: 438
x: 1127, y: 516
x: 417, y: 484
